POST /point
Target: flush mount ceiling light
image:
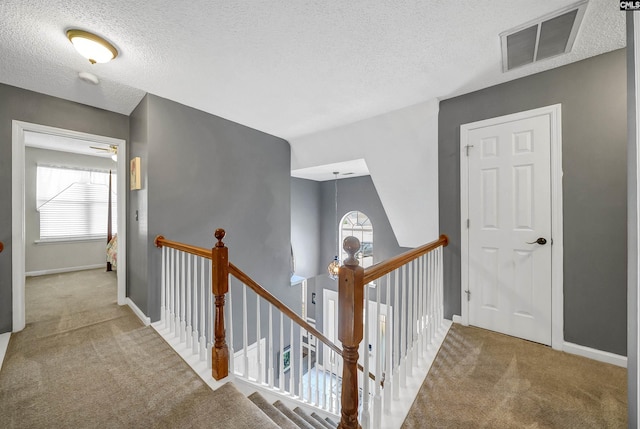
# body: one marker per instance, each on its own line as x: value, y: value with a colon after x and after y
x: 92, y: 47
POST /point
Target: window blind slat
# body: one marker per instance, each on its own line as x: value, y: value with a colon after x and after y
x: 73, y: 203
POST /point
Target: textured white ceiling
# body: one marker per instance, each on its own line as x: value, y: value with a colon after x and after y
x: 288, y: 68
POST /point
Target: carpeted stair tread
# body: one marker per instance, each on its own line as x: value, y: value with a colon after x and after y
x: 307, y: 418
x: 272, y: 412
x: 331, y: 422
x: 322, y: 421
x: 299, y: 421
x: 236, y: 411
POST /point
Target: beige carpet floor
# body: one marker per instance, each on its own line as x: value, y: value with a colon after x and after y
x: 84, y: 362
x: 481, y: 379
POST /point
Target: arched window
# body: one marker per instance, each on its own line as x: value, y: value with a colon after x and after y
x: 357, y: 224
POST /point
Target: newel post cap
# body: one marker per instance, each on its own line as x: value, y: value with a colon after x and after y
x: 351, y: 245
x: 219, y: 235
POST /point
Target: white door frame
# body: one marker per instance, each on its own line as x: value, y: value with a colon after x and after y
x: 18, y: 210
x: 557, y: 292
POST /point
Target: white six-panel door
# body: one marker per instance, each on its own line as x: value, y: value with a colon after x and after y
x: 509, y: 208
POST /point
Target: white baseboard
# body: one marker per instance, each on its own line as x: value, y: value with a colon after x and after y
x: 146, y: 320
x: 64, y: 270
x: 595, y: 354
x: 457, y: 319
x: 4, y: 343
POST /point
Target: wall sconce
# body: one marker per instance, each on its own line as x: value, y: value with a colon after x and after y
x: 134, y: 174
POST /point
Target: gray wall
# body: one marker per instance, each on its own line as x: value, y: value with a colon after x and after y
x: 593, y: 97
x: 58, y: 255
x: 28, y: 106
x: 305, y: 226
x: 137, y: 214
x: 202, y: 172
x: 632, y: 222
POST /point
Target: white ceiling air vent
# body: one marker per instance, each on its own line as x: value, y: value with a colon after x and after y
x: 545, y: 37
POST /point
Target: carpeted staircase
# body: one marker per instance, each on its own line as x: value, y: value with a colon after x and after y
x: 277, y: 414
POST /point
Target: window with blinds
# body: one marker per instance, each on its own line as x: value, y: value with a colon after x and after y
x: 73, y: 203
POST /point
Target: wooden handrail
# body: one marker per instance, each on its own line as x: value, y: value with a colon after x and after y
x: 160, y: 241
x: 378, y: 270
x: 262, y: 292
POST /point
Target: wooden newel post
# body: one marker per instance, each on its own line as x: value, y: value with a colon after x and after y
x: 350, y: 303
x: 219, y: 286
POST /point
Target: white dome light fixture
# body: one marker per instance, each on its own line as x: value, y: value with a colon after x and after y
x: 92, y: 47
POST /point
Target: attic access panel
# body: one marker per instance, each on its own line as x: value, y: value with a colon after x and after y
x: 544, y: 37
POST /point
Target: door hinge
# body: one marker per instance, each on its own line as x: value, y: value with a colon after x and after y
x: 467, y: 147
x: 468, y: 223
x: 468, y: 292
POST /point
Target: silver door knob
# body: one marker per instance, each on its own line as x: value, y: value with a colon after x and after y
x: 541, y: 241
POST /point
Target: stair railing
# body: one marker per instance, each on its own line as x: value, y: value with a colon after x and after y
x: 409, y: 288
x: 195, y: 283
x: 270, y: 353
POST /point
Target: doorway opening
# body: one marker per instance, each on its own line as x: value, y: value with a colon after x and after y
x: 73, y: 141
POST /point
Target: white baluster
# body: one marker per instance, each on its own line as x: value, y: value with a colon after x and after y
x: 403, y: 330
x: 281, y: 360
x: 173, y: 291
x: 440, y: 256
x: 176, y: 296
x: 332, y: 377
x: 317, y: 403
x: 270, y: 373
x: 258, y: 338
x: 167, y: 280
x: 183, y: 299
x: 292, y: 370
x: 309, y: 374
x: 396, y: 359
x: 377, y: 399
x: 245, y: 333
x: 420, y: 318
x: 323, y: 388
x: 229, y: 326
x: 436, y: 294
x: 203, y: 313
x: 425, y: 302
x: 163, y: 288
x: 411, y: 320
x: 432, y: 299
x: 300, y: 368
x: 194, y: 332
x: 365, y: 362
x: 188, y: 285
x: 389, y: 332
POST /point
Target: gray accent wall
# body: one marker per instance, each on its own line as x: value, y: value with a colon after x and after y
x: 137, y: 213
x: 305, y: 226
x: 633, y: 193
x: 58, y: 255
x: 594, y: 137
x: 201, y: 172
x: 22, y: 105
